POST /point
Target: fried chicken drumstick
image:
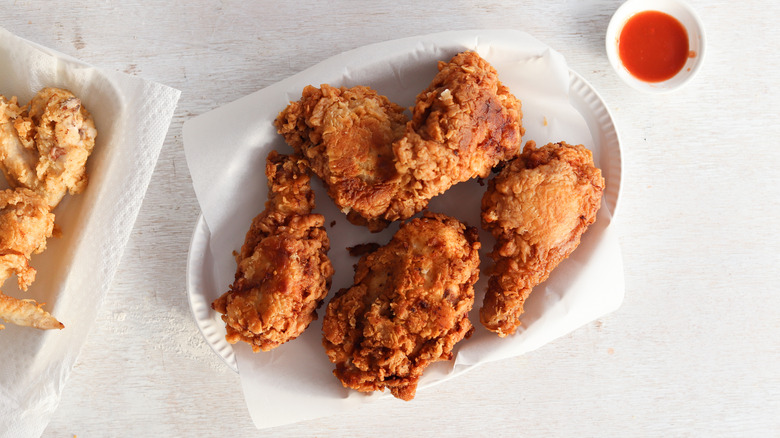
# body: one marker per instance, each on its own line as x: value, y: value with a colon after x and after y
x: 378, y: 166
x: 537, y: 208
x: 408, y: 306
x: 283, y: 269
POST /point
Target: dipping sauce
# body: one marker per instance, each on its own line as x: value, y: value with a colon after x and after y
x: 653, y: 46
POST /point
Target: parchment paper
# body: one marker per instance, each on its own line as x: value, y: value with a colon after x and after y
x: 226, y: 150
x: 75, y: 272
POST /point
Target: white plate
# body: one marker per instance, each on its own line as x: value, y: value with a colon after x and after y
x: 606, y: 148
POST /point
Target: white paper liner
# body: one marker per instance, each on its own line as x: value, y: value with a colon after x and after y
x: 226, y: 150
x: 75, y: 272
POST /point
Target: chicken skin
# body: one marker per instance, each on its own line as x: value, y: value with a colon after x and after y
x: 283, y: 269
x: 378, y: 166
x: 44, y: 146
x: 25, y: 224
x: 537, y: 208
x: 408, y: 306
x: 465, y: 123
x: 346, y: 137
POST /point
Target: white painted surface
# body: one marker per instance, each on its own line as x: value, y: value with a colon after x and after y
x: 693, y: 351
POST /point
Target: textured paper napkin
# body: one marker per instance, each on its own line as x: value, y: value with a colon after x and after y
x: 75, y: 272
x: 226, y: 150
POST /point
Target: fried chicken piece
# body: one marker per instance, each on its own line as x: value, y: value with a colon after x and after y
x: 464, y: 124
x: 408, y: 306
x: 346, y: 137
x: 44, y: 146
x: 25, y: 224
x: 26, y: 313
x: 380, y: 168
x: 283, y: 269
x: 537, y: 208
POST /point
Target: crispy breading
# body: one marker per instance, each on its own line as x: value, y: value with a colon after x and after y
x: 380, y: 168
x: 283, y: 270
x: 464, y: 124
x: 25, y: 224
x: 44, y: 148
x: 408, y: 306
x: 44, y: 145
x: 537, y: 208
x: 346, y: 136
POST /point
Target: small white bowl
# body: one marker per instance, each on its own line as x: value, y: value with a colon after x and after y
x: 677, y: 9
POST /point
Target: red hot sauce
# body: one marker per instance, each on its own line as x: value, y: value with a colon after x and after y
x: 653, y: 46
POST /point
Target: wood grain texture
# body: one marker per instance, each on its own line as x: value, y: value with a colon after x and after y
x: 694, y: 349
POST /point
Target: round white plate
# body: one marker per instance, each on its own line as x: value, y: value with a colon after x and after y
x: 200, y: 297
x: 606, y: 150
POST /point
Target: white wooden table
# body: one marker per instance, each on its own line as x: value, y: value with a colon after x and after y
x: 695, y: 349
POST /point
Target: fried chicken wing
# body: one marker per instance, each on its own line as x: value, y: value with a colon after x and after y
x: 283, y: 270
x: 25, y: 224
x: 408, y: 306
x: 44, y: 146
x: 537, y: 208
x: 377, y: 166
x: 346, y: 136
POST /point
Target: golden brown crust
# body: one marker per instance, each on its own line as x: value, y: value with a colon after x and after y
x: 464, y: 124
x: 25, y: 224
x: 377, y: 167
x: 44, y: 146
x: 283, y: 270
x: 345, y: 135
x: 537, y: 208
x: 408, y: 306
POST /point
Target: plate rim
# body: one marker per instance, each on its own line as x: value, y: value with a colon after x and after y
x: 606, y: 122
x: 215, y: 339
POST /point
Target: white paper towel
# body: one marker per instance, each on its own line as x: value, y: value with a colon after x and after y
x: 226, y: 150
x: 75, y: 272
